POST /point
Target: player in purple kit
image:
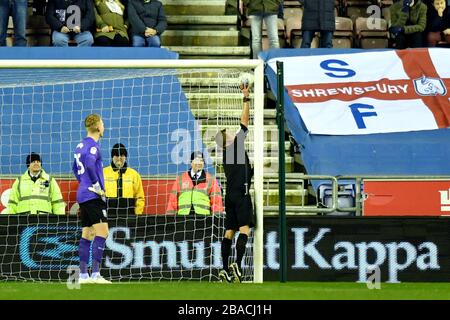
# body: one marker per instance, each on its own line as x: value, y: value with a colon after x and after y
x: 88, y: 170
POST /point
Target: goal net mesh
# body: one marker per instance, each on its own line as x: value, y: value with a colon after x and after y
x: 161, y: 116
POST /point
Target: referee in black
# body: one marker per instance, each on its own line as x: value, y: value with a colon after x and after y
x: 238, y: 203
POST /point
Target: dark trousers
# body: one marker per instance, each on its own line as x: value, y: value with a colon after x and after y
x: 413, y: 40
x: 118, y: 41
x: 326, y: 39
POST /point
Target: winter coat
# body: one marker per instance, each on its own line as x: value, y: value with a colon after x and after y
x: 413, y: 21
x: 436, y: 23
x: 40, y: 196
x: 257, y: 7
x: 104, y: 17
x: 132, y: 188
x: 142, y: 15
x: 205, y: 196
x: 318, y: 15
x: 56, y: 13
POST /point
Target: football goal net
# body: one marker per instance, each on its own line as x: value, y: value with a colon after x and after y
x: 161, y: 111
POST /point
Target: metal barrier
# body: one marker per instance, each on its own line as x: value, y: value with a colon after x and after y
x: 358, y: 181
x: 334, y: 187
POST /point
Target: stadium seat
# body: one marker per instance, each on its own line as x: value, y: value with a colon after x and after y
x: 346, y: 198
x: 293, y: 21
x: 296, y: 13
x: 385, y: 12
x: 371, y: 33
x: 359, y: 3
x: 342, y: 43
x: 291, y: 4
x: 385, y: 3
x: 354, y: 12
x: 294, y: 34
x: 293, y: 24
x: 343, y: 36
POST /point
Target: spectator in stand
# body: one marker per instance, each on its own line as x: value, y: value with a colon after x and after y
x: 147, y: 22
x: 438, y: 23
x: 111, y: 25
x: 259, y: 11
x: 195, y: 192
x: 35, y: 191
x: 408, y: 22
x: 64, y: 25
x: 18, y: 10
x: 123, y: 185
x: 318, y: 16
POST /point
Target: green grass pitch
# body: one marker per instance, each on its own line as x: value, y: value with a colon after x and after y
x: 191, y: 290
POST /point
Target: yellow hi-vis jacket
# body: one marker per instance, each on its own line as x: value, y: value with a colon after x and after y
x: 41, y: 196
x: 131, y: 186
x: 206, y: 197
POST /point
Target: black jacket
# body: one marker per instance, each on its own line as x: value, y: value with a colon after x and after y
x: 318, y: 15
x: 56, y: 13
x: 142, y: 15
x: 436, y: 23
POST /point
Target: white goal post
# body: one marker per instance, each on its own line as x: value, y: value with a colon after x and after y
x: 128, y: 66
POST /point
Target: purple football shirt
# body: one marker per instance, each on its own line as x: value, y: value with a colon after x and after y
x: 88, y: 169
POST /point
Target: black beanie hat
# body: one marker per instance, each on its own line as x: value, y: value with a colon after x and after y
x: 197, y: 154
x: 33, y: 157
x: 119, y: 150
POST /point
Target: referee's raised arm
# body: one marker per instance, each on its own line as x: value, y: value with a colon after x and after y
x: 245, y: 116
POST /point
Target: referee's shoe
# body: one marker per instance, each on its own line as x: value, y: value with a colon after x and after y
x: 237, y: 273
x: 224, y: 276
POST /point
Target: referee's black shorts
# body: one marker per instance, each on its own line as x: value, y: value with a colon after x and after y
x: 92, y: 212
x: 239, y: 212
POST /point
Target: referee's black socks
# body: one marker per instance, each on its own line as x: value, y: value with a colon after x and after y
x: 241, y: 243
x: 226, y: 248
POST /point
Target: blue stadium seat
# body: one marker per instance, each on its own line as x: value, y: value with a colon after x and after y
x: 346, y: 198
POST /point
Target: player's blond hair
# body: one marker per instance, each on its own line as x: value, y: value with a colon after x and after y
x: 91, y: 122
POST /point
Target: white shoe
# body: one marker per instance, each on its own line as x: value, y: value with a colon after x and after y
x: 237, y: 273
x: 100, y: 280
x: 224, y: 276
x: 85, y: 280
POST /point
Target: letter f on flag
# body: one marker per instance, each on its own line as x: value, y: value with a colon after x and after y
x: 359, y: 116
